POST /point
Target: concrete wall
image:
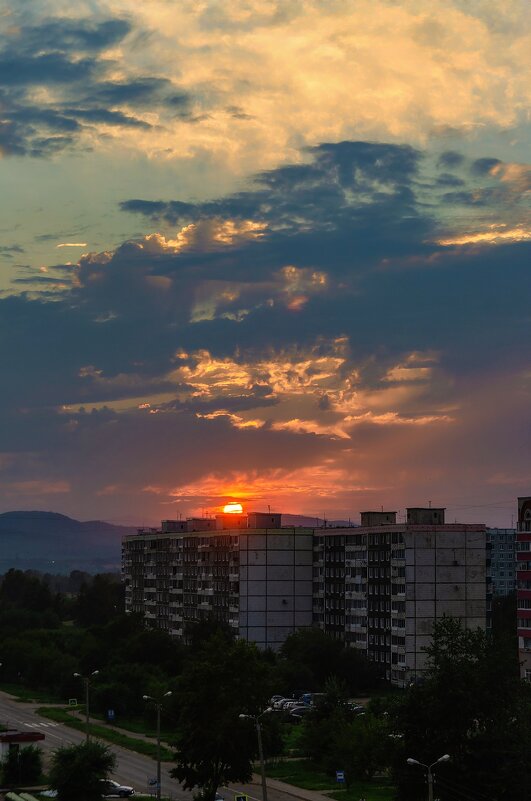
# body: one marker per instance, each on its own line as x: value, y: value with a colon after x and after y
x: 275, y: 586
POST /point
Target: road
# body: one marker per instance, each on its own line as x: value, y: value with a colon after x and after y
x: 131, y: 768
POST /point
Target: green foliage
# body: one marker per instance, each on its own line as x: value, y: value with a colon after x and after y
x: 76, y: 770
x: 106, y: 733
x: 473, y: 706
x: 222, y: 680
x: 23, y: 590
x: 309, y: 657
x: 100, y: 600
x: 22, y: 766
x: 302, y: 773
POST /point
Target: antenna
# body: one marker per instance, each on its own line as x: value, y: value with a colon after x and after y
x: 429, y: 502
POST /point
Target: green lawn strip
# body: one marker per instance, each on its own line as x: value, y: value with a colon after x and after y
x: 104, y: 733
x: 136, y: 726
x: 27, y: 695
x: 302, y: 773
x: 377, y: 790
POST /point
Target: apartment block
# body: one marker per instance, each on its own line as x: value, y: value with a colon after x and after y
x: 258, y: 581
x: 523, y: 585
x: 380, y: 587
x: 501, y: 556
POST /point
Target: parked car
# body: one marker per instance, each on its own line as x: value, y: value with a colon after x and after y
x: 275, y: 698
x: 112, y: 789
x: 299, y: 712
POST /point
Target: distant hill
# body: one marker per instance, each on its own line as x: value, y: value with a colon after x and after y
x: 55, y: 543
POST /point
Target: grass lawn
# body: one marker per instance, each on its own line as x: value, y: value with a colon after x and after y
x: 24, y: 694
x: 106, y: 733
x: 137, y: 726
x: 301, y: 773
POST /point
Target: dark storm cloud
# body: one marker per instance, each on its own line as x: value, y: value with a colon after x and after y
x: 319, y: 193
x: 9, y: 250
x: 66, y: 56
x: 127, y: 328
x: 450, y: 159
x: 484, y: 166
x: 389, y: 289
x: 74, y: 34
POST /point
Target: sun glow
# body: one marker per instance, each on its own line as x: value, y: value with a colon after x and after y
x: 233, y: 508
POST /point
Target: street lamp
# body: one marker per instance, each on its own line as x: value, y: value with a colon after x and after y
x: 256, y: 719
x: 158, y: 704
x: 444, y: 758
x: 86, y: 682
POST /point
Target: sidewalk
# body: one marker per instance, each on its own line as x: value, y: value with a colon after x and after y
x: 291, y: 789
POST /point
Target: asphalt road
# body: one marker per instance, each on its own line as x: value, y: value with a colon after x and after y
x: 131, y: 768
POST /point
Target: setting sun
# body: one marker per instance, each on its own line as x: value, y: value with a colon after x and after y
x: 233, y: 508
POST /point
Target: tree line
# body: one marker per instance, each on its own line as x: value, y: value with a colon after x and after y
x: 471, y: 703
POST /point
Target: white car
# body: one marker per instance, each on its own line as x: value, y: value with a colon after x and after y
x: 112, y: 789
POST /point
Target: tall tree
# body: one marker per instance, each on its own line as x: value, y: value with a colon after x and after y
x: 222, y: 680
x: 76, y: 771
x: 473, y: 706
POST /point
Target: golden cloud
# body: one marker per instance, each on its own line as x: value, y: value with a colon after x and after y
x: 278, y: 75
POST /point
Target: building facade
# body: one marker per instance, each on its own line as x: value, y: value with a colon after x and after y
x: 501, y: 554
x: 523, y: 585
x: 257, y: 581
x: 378, y: 587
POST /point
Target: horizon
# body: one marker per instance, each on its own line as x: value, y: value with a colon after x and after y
x: 265, y: 253
x: 353, y: 518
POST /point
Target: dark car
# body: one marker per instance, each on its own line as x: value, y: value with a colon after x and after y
x: 112, y: 789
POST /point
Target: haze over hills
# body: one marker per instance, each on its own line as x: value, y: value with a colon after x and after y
x: 54, y: 543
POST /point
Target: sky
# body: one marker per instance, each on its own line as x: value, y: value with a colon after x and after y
x: 271, y: 251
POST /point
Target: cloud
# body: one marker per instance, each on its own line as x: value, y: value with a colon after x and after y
x: 256, y: 83
x: 307, y: 333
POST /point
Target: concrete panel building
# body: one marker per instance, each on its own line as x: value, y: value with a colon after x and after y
x: 378, y: 587
x: 258, y: 581
x: 523, y: 589
x: 501, y: 555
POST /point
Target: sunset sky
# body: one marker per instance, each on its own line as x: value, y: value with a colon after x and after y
x: 270, y: 251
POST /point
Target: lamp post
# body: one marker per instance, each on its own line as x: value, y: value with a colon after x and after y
x: 86, y: 682
x: 256, y: 719
x: 158, y: 704
x: 429, y: 772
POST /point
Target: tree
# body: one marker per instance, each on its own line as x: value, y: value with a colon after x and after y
x: 473, y: 706
x: 76, y: 771
x: 310, y: 656
x: 100, y: 600
x: 22, y: 766
x: 221, y: 681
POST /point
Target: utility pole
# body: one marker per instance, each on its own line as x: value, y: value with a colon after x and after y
x: 158, y: 704
x: 256, y: 719
x: 86, y: 682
